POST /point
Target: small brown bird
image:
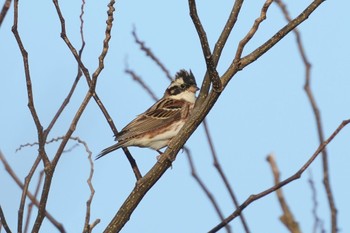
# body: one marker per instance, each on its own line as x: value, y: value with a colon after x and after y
x: 160, y: 123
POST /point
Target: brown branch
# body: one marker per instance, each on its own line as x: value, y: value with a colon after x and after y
x: 4, y: 10
x: 193, y: 171
x: 211, y: 67
x: 257, y: 53
x: 41, y: 138
x: 204, y: 188
x: 87, y: 226
x: 220, y: 44
x: 317, y: 221
x: 77, y: 78
x: 309, y: 93
x: 105, y: 48
x: 138, y: 79
x: 31, y: 106
x: 50, y: 169
x: 296, y: 176
x: 3, y: 221
x: 253, y: 30
x: 222, y: 174
x: 199, y: 113
x: 150, y: 54
x: 97, y: 72
x: 287, y: 218
x: 31, y: 197
x: 30, y: 205
x: 69, y: 44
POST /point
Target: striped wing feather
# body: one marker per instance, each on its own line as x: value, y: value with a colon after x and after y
x: 160, y: 115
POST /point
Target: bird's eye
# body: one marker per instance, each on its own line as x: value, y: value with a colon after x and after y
x: 183, y: 86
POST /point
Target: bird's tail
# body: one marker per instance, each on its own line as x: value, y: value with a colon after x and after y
x: 108, y: 150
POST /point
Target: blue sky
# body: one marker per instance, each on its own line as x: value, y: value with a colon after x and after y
x: 263, y: 110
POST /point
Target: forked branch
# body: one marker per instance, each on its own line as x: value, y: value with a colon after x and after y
x: 296, y: 176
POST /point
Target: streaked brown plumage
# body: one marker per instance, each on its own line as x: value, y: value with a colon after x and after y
x: 160, y: 123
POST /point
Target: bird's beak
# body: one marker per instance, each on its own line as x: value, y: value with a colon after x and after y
x: 193, y: 89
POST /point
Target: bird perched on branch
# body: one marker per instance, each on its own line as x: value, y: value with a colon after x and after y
x: 160, y: 123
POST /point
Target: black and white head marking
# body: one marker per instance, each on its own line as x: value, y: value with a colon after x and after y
x: 183, y: 81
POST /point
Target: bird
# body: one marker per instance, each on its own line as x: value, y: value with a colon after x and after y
x: 163, y: 120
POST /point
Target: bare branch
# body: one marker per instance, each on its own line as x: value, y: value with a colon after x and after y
x: 4, y: 10
x: 31, y: 106
x: 3, y: 221
x: 317, y: 114
x: 150, y: 54
x: 138, y: 79
x: 287, y: 218
x: 307, y: 88
x: 69, y: 44
x: 30, y: 205
x: 87, y: 226
x: 296, y: 176
x: 193, y: 171
x: 211, y: 66
x: 253, y: 30
x: 31, y: 197
x: 243, y: 62
x: 220, y: 44
x: 204, y: 188
x: 199, y: 112
x: 317, y: 221
x: 222, y: 174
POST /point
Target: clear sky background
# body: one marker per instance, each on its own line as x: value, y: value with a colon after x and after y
x: 264, y: 109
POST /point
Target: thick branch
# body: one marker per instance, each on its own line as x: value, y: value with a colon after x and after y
x: 199, y: 113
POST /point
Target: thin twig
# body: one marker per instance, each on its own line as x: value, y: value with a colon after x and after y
x: 204, y: 188
x: 31, y: 106
x: 98, y: 70
x: 139, y: 80
x: 87, y: 225
x: 253, y: 30
x: 4, y: 10
x: 211, y: 67
x: 296, y: 176
x: 30, y: 205
x: 258, y: 52
x: 318, y: 223
x: 109, y: 25
x: 287, y: 218
x: 31, y: 197
x: 3, y: 221
x: 309, y: 93
x: 50, y: 169
x: 149, y: 53
x: 217, y: 165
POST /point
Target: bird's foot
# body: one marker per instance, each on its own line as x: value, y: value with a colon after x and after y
x: 171, y: 160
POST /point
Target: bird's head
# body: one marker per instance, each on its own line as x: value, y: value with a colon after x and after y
x: 183, y: 87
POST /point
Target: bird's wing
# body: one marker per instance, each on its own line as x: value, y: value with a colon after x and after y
x: 160, y: 115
